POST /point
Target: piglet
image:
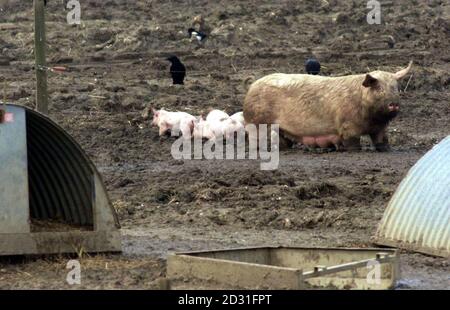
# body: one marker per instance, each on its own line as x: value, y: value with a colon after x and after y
x: 216, y: 116
x: 216, y: 127
x: 174, y: 121
x: 239, y: 117
x: 223, y: 125
x: 230, y: 126
x: 203, y: 129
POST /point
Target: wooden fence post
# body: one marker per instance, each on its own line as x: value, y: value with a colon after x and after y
x: 39, y: 51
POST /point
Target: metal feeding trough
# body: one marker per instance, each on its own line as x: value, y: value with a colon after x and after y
x: 52, y: 198
x: 287, y: 268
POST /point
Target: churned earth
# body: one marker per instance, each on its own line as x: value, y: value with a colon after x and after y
x: 117, y: 70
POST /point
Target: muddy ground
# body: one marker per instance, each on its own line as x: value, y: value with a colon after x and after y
x: 117, y: 70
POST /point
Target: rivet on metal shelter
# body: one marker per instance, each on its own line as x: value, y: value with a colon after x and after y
x: 52, y: 198
x: 418, y: 215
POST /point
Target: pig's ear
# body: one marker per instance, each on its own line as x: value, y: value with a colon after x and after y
x: 401, y: 74
x: 370, y: 81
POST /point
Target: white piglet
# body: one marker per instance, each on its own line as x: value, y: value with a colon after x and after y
x: 216, y: 116
x: 217, y: 124
x: 174, y: 121
x: 230, y: 126
x: 203, y: 129
x: 239, y: 117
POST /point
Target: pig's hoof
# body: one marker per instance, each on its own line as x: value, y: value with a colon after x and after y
x: 382, y: 147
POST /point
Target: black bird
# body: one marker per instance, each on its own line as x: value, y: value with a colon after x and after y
x: 177, y: 70
x: 200, y: 36
x: 312, y: 66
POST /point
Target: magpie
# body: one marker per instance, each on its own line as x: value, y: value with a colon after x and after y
x: 312, y: 66
x: 200, y: 36
x: 390, y: 41
x: 177, y: 70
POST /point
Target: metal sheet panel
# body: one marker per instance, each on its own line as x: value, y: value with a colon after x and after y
x: 61, y: 178
x: 418, y: 215
x: 14, y: 212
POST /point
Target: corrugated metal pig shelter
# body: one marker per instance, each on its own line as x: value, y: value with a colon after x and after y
x: 52, y: 198
x: 418, y: 215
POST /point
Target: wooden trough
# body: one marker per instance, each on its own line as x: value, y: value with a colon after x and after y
x: 286, y: 268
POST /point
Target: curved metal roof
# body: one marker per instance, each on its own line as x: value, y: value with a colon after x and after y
x: 62, y: 178
x: 418, y: 215
x: 52, y: 198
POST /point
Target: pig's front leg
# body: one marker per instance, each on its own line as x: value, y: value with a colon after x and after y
x: 380, y: 141
x: 350, y: 135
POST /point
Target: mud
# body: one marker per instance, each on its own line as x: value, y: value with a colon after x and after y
x: 117, y: 71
